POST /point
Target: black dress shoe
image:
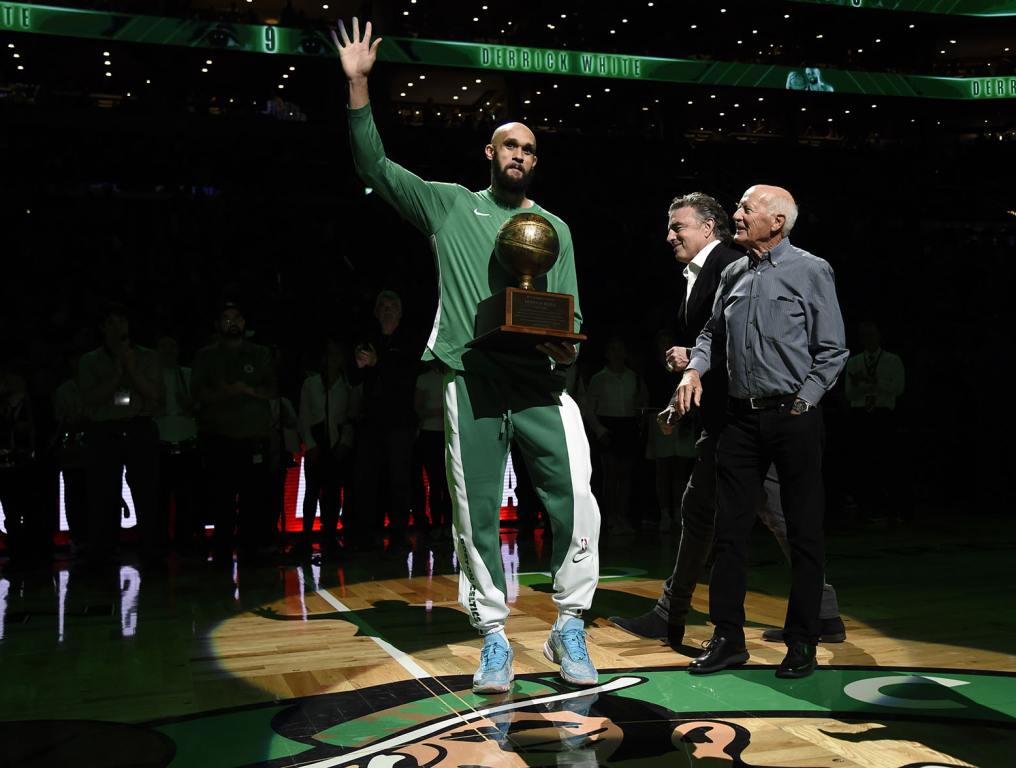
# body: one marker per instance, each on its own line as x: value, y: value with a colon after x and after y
x: 799, y: 662
x: 721, y: 652
x: 832, y: 631
x: 650, y: 626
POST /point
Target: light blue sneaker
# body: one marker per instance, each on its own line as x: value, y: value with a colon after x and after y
x: 495, y: 674
x: 567, y: 647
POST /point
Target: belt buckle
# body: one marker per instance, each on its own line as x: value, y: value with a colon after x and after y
x: 754, y: 407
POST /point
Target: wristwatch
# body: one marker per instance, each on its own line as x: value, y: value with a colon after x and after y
x: 801, y: 406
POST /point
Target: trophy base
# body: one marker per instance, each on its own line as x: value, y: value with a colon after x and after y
x: 518, y: 320
x: 515, y: 338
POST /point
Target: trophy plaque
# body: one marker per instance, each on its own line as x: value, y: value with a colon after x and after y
x: 519, y: 318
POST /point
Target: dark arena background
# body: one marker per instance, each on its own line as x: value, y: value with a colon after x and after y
x: 170, y: 167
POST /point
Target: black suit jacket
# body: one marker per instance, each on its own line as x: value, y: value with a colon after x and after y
x: 693, y: 314
x: 389, y: 386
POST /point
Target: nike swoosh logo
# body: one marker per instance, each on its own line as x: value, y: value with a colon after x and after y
x: 480, y: 214
x: 580, y: 556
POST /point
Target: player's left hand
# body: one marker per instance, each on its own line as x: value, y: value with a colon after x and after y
x: 561, y: 351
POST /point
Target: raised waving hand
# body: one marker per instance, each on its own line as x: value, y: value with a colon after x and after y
x: 357, y: 55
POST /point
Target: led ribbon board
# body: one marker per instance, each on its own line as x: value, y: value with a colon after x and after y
x: 954, y: 7
x: 549, y: 61
x: 191, y: 33
x: 271, y: 39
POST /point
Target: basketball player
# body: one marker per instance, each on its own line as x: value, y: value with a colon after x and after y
x: 491, y: 398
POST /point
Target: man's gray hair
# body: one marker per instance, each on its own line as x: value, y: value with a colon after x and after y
x: 786, y: 207
x: 706, y: 208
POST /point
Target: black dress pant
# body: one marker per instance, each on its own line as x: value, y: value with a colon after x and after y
x: 179, y: 468
x: 751, y: 441
x: 114, y: 445
x: 238, y: 485
x: 384, y: 452
x: 698, y: 513
x: 325, y: 477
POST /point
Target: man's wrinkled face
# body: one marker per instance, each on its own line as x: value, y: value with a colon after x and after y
x: 512, y: 157
x: 687, y: 234
x: 753, y: 223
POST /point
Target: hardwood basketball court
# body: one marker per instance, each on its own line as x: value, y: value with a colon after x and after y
x: 368, y: 663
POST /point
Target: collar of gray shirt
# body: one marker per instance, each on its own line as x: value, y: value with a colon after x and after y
x: 775, y: 256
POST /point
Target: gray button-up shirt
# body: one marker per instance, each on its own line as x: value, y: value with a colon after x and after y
x: 782, y: 324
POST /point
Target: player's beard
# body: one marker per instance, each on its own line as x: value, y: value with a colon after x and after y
x: 503, y: 180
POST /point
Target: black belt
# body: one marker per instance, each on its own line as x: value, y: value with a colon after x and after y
x: 738, y: 405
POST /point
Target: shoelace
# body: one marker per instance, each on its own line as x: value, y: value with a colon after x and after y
x: 574, y: 644
x: 493, y: 656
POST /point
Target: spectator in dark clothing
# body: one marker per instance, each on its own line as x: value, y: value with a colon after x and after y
x: 874, y: 381
x: 328, y: 407
x: 121, y: 392
x: 615, y: 398
x: 386, y: 365
x: 232, y: 383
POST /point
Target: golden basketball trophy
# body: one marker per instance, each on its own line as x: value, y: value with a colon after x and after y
x: 521, y: 318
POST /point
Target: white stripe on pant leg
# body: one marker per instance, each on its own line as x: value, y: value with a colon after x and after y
x: 487, y: 606
x: 575, y: 581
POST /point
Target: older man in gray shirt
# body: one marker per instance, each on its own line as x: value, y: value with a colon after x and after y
x: 777, y: 313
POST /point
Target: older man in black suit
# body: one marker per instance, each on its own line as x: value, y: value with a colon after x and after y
x: 698, y: 232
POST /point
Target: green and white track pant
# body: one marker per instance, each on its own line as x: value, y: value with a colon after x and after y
x: 482, y: 417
